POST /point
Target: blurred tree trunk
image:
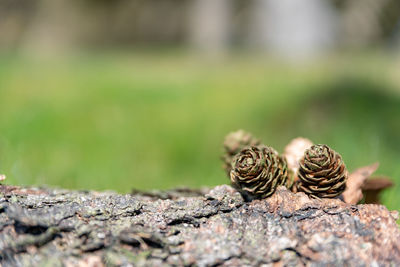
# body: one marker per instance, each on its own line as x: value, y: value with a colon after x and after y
x: 54, y: 27
x: 361, y: 21
x: 209, y: 22
x: 293, y: 28
x: 15, y: 17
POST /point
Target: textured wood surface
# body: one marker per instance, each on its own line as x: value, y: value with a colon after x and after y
x: 46, y: 227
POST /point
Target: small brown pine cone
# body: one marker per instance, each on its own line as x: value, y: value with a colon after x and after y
x: 233, y: 143
x: 257, y: 171
x: 322, y: 173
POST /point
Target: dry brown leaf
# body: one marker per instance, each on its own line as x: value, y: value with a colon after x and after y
x: 294, y: 151
x: 377, y: 183
x: 373, y: 187
x: 353, y: 193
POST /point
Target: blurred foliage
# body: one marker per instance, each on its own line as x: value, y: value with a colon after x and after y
x: 157, y: 120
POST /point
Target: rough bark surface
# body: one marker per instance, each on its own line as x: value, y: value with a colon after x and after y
x: 49, y: 227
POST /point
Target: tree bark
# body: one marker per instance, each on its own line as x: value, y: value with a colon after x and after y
x: 185, y: 227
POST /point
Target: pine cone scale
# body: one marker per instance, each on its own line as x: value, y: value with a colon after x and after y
x: 339, y: 186
x: 312, y: 166
x: 332, y: 181
x: 321, y: 173
x: 317, y: 188
x: 306, y: 169
x: 263, y: 186
x: 338, y: 169
x: 311, y: 179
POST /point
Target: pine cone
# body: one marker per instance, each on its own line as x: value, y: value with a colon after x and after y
x: 258, y: 170
x: 233, y: 143
x: 322, y: 173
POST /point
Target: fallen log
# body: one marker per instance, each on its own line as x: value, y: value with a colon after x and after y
x: 214, y: 227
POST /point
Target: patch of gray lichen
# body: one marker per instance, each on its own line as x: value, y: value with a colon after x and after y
x: 45, y: 227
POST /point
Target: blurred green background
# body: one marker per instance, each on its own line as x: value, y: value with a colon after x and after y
x: 154, y: 115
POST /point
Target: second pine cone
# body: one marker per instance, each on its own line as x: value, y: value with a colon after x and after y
x: 322, y: 173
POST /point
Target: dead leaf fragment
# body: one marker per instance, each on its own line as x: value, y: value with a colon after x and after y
x: 353, y: 193
x: 373, y: 187
x: 294, y: 151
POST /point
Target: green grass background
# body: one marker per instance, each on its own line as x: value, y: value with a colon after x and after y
x: 150, y: 120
